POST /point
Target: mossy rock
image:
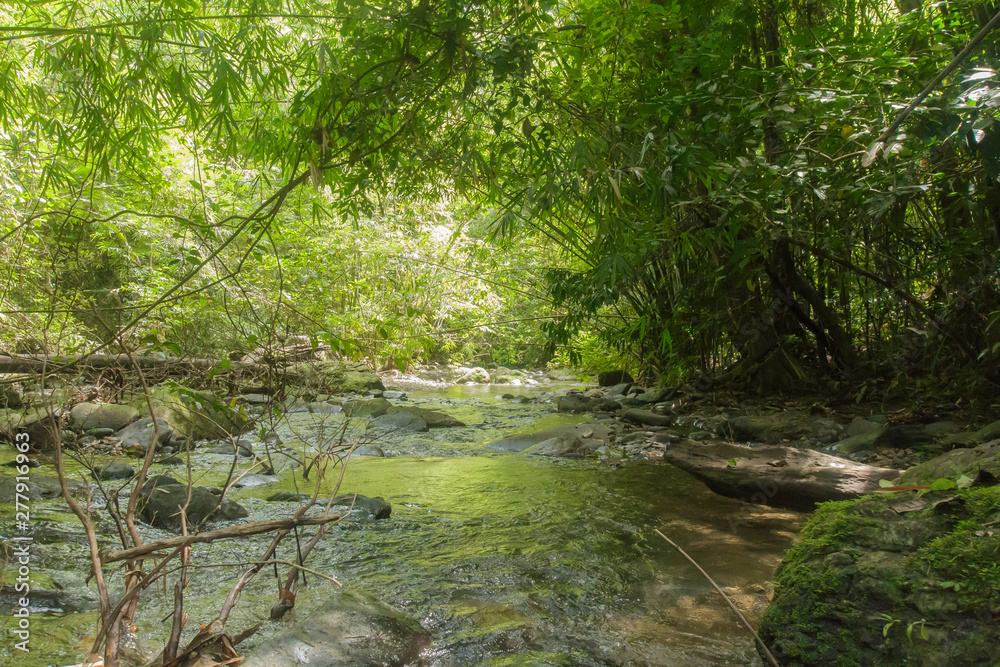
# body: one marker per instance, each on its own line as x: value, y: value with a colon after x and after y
x: 375, y: 407
x: 974, y: 463
x: 193, y: 414
x: 10, y: 397
x: 892, y: 579
x: 337, y: 377
x: 433, y: 418
x: 862, y: 442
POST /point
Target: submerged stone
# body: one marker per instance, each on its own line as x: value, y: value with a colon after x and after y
x: 433, y: 418
x: 349, y: 630
x: 162, y: 502
x: 400, y: 421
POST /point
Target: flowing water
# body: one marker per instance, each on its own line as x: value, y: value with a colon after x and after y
x: 504, y: 559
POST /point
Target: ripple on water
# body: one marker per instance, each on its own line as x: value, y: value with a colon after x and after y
x: 505, y: 559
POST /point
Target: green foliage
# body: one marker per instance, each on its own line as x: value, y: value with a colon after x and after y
x: 155, y: 159
x: 711, y: 157
x: 685, y: 185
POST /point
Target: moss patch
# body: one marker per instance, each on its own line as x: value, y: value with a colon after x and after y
x: 892, y: 579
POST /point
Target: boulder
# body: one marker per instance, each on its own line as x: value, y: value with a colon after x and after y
x: 977, y: 463
x: 862, y: 442
x: 780, y: 427
x: 611, y: 378
x: 283, y: 460
x: 576, y: 403
x: 646, y: 417
x: 158, y: 480
x: 86, y: 416
x: 289, y: 497
x: 374, y: 508
x: 337, y: 377
x: 394, y: 395
x: 654, y: 395
x: 988, y: 432
x: 227, y: 449
x: 251, y: 481
x: 891, y: 579
x: 40, y: 487
x: 161, y: 503
x: 599, y: 433
x: 862, y: 426
x: 323, y: 408
x: 115, y: 470
x: 566, y: 446
x: 904, y: 436
x: 618, y: 389
x: 477, y: 375
x: 192, y: 414
x: 348, y: 630
x: 400, y: 421
x: 433, y: 418
x: 68, y: 594
x: 140, y: 433
x: 368, y: 450
x: 375, y: 407
x: 777, y: 476
x: 560, y: 374
x: 573, y: 403
x: 10, y: 397
x: 41, y: 425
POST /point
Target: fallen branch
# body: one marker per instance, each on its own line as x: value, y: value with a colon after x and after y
x: 40, y: 363
x: 724, y: 597
x: 290, y: 564
x: 242, y: 530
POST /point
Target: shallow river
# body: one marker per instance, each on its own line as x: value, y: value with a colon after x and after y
x: 504, y: 559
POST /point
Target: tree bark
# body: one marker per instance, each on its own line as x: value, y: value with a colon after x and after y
x: 55, y: 364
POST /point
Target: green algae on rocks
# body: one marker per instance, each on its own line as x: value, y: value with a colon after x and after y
x: 892, y: 579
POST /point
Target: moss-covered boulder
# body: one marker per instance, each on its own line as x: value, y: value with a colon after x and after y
x: 892, y: 579
x: 976, y: 463
x: 193, y: 414
x: 337, y: 377
x: 375, y: 407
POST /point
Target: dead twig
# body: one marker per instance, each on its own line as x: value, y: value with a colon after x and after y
x: 725, y: 597
x: 243, y: 530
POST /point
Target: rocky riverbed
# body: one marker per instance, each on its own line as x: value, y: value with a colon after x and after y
x: 486, y: 522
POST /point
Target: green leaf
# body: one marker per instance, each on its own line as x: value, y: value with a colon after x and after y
x: 942, y: 483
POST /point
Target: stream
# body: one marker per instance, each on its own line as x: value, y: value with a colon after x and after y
x: 503, y: 559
